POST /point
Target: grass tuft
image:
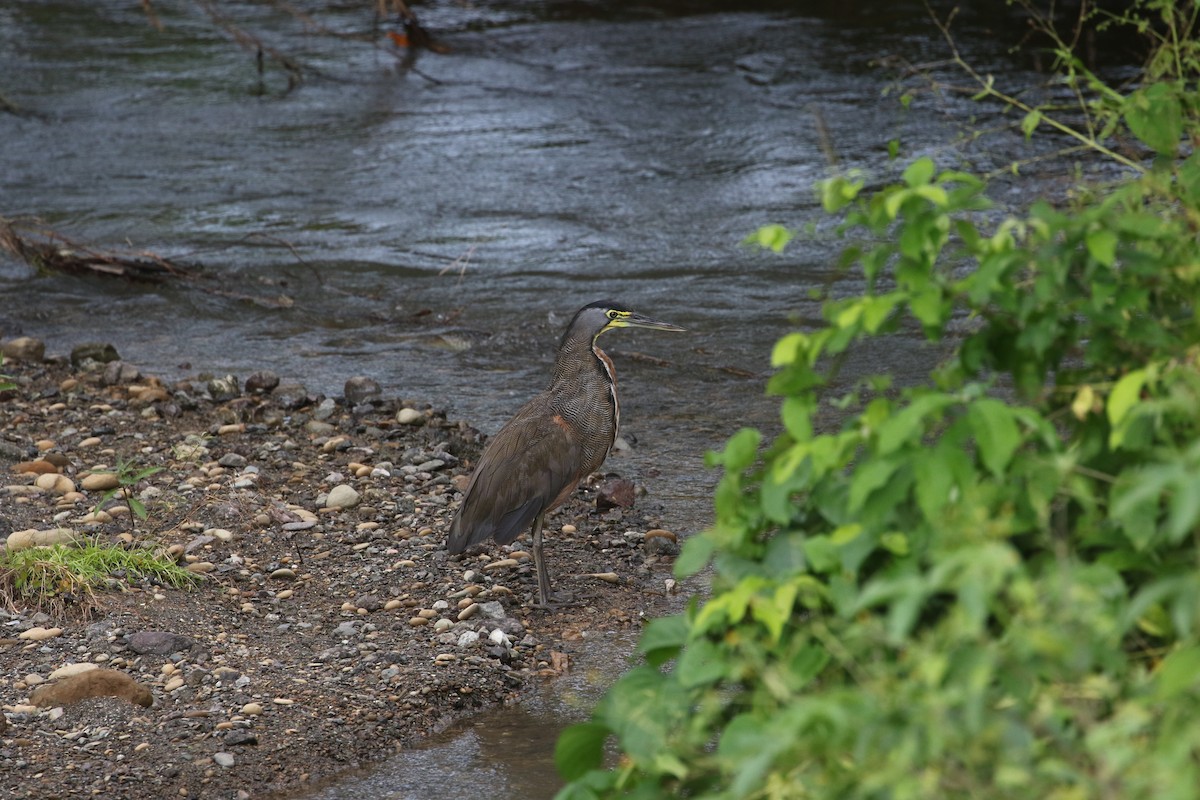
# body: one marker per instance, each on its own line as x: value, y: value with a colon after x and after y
x: 53, y: 579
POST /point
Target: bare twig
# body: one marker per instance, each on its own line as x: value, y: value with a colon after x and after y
x: 988, y: 89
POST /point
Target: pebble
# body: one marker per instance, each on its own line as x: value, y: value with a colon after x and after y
x: 223, y: 759
x: 442, y: 625
x: 173, y: 684
x: 219, y: 533
x: 503, y: 563
x: 284, y: 574
x: 24, y: 348
x: 342, y: 496
x: 392, y: 605
x: 39, y: 467
x: 39, y: 633
x: 91, y: 441
x: 409, y: 416
x: 467, y: 639
x: 261, y: 382
x: 417, y: 622
x: 100, y: 481
x: 20, y: 540
x: 468, y: 612
x: 252, y: 709
x: 359, y: 389
x: 67, y: 670
x: 285, y: 594
x: 101, y: 352
x: 569, y: 529
x: 55, y: 483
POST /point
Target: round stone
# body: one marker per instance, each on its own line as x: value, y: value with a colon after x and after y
x: 409, y: 416
x: 100, y: 481
x: 342, y: 496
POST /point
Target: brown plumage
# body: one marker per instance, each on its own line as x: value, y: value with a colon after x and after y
x: 552, y: 443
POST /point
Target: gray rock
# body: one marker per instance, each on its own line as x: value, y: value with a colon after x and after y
x: 468, y: 639
x: 118, y: 372
x: 493, y: 609
x: 224, y: 389
x: 100, y: 352
x: 236, y: 738
x: 292, y: 396
x: 261, y: 382
x: 24, y: 348
x: 325, y: 409
x: 360, y: 389
x: 159, y: 642
x: 661, y: 546
x: 345, y: 630
x: 342, y: 496
x: 223, y: 759
x: 233, y: 460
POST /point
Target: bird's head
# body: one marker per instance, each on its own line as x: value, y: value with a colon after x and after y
x: 604, y: 315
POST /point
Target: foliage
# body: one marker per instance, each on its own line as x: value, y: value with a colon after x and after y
x: 5, y: 380
x: 54, y: 577
x: 983, y: 585
x: 128, y: 477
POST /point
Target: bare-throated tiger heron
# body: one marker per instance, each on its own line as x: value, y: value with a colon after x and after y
x: 552, y: 443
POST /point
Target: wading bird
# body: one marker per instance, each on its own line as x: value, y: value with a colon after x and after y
x: 552, y: 443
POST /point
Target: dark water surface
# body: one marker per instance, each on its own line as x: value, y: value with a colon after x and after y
x: 435, y: 225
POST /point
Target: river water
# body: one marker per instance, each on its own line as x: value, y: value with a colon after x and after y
x: 434, y: 222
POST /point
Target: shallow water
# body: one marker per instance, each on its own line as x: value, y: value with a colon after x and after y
x: 434, y: 224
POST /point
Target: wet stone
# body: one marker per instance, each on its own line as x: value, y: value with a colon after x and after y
x: 360, y: 389
x: 159, y: 642
x: 100, y: 352
x: 118, y: 372
x: 232, y: 460
x: 261, y: 382
x: 24, y: 348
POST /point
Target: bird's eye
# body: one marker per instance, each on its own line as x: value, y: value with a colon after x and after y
x: 612, y: 313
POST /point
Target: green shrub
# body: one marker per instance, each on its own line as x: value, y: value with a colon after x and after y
x: 984, y: 585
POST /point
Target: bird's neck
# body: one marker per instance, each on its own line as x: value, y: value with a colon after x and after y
x: 576, y: 358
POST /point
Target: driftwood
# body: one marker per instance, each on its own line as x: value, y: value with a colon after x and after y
x: 49, y: 251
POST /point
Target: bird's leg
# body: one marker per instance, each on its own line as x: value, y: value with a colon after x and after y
x: 539, y: 561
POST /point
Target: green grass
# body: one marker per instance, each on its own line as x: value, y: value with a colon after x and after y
x: 55, y: 578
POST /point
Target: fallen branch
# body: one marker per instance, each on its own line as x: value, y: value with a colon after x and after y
x: 49, y: 251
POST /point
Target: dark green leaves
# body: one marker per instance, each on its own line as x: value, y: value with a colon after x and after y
x: 1155, y: 115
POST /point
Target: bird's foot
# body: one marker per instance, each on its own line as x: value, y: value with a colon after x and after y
x: 555, y: 601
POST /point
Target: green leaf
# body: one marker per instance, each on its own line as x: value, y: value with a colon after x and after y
x: 869, y: 476
x: 740, y: 450
x: 1155, y: 115
x: 580, y: 748
x: 797, y: 419
x: 919, y: 172
x: 996, y: 433
x: 1177, y: 673
x: 770, y: 237
x: 1102, y: 246
x: 1121, y: 400
x: 822, y: 554
x: 909, y: 422
x: 701, y: 663
x: 694, y: 555
x: 663, y: 637
x: 1030, y: 123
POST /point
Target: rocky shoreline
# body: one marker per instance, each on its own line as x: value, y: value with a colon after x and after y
x: 328, y: 628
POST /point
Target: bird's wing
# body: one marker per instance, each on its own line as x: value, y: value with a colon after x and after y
x: 530, y: 466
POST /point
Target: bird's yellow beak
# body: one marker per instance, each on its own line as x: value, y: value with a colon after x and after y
x: 633, y: 320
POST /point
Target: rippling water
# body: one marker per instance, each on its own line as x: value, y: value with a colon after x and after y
x: 435, y: 224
